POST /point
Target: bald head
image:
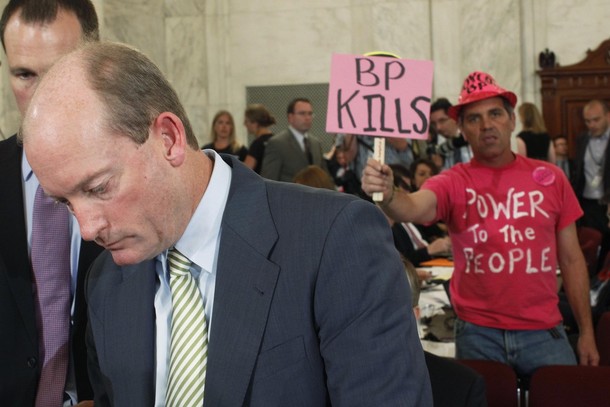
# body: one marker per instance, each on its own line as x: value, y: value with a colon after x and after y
x: 59, y: 96
x: 106, y: 134
x: 597, y: 117
x: 131, y: 88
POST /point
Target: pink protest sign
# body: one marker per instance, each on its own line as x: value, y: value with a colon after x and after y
x: 379, y: 96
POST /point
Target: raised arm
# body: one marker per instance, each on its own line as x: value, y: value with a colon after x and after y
x: 418, y: 207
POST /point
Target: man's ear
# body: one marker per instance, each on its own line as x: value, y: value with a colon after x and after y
x: 169, y: 129
x: 513, y: 120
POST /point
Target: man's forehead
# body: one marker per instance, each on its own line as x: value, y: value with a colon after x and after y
x: 483, y: 105
x: 594, y: 109
x: 439, y: 114
x: 303, y: 105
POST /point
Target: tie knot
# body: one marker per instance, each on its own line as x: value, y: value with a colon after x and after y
x: 179, y: 265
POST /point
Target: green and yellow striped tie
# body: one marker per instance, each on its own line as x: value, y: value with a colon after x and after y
x: 189, y: 336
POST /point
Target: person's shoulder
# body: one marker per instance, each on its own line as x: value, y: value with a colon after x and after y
x: 520, y: 135
x: 451, y: 378
x: 304, y: 196
x: 282, y: 134
x: 541, y: 170
x: 280, y: 137
x: 10, y: 144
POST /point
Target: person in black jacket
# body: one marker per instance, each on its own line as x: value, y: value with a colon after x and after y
x: 453, y: 384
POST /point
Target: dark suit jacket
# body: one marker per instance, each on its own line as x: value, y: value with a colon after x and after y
x: 455, y: 385
x: 19, y: 359
x: 315, y: 318
x: 404, y: 245
x: 284, y: 157
x: 578, y: 171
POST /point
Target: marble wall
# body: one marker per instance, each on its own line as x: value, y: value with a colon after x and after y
x: 212, y: 50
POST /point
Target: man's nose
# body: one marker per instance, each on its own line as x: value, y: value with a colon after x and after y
x: 90, y: 221
x: 485, y: 121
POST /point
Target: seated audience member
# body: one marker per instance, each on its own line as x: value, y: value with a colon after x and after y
x: 257, y: 121
x: 315, y: 177
x: 223, y: 136
x: 293, y: 149
x: 562, y: 159
x: 422, y: 169
x: 408, y: 237
x: 453, y: 384
x: 344, y: 177
x: 433, y: 147
x: 534, y: 141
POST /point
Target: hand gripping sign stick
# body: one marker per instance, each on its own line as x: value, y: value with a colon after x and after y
x: 379, y: 94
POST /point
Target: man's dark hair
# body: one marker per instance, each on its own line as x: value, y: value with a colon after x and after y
x: 293, y: 103
x: 45, y: 11
x: 560, y: 136
x: 399, y: 171
x: 440, y: 104
x: 507, y: 106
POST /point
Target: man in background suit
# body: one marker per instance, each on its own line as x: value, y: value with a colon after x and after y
x: 290, y: 151
x: 563, y: 160
x: 34, y: 35
x: 591, y: 177
x: 302, y: 290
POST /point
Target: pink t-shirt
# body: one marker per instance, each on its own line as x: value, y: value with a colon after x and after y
x: 503, y: 224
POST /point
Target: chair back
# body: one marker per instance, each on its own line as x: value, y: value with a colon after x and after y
x: 602, y: 338
x: 568, y: 386
x: 500, y: 381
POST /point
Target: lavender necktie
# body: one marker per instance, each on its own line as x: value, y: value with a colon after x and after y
x: 51, y: 270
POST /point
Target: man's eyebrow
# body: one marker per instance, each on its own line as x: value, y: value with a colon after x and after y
x: 19, y: 69
x: 80, y: 186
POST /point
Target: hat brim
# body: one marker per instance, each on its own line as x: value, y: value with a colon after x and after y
x: 454, y: 111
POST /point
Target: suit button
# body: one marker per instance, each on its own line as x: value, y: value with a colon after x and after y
x: 32, y: 362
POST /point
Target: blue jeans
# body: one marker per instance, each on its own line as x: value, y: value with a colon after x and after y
x: 524, y: 350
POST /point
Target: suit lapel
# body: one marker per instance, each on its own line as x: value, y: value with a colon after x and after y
x: 129, y: 321
x: 297, y: 151
x: 244, y: 288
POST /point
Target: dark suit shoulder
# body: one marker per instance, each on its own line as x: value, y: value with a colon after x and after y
x: 10, y: 145
x: 453, y: 384
x: 303, y: 198
x: 280, y: 137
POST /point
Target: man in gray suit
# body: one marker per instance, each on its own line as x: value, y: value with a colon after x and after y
x: 290, y: 151
x: 304, y: 295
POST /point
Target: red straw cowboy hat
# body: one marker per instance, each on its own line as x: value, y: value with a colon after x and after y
x: 478, y: 86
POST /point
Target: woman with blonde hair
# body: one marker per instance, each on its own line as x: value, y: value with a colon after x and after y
x: 534, y: 141
x: 223, y: 136
x: 257, y: 121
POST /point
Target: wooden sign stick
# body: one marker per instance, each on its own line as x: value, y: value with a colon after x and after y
x: 379, y: 155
